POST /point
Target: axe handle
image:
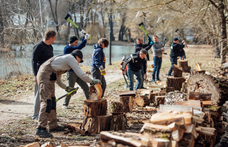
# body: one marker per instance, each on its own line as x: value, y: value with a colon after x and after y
x: 181, y: 37
x: 144, y: 30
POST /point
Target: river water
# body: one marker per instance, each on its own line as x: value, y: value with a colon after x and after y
x: 20, y: 61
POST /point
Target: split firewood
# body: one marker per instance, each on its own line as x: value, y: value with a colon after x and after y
x: 159, y: 100
x: 199, y: 96
x: 188, y: 140
x: 175, y: 108
x: 198, y: 66
x: 175, y: 96
x: 198, y: 72
x: 142, y: 101
x: 177, y: 71
x: 127, y: 93
x: 47, y: 144
x: 132, y: 140
x: 127, y: 103
x: 34, y: 144
x: 167, y: 118
x: 192, y: 103
x: 95, y: 92
x: 191, y: 130
x: 116, y: 107
x: 206, y: 103
x: 206, y: 131
x: 152, y: 96
x: 95, y: 107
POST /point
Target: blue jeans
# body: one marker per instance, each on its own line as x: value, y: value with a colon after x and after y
x: 131, y: 79
x: 157, y: 67
x: 142, y: 72
x: 173, y: 60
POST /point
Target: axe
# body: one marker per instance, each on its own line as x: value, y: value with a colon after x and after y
x: 69, y: 93
x: 164, y: 46
x: 180, y: 36
x: 141, y: 26
x: 70, y: 21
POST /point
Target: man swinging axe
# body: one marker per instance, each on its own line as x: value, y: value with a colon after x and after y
x: 139, y: 46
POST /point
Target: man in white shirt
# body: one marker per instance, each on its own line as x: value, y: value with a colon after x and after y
x: 49, y: 72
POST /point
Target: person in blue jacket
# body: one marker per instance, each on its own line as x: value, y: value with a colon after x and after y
x: 72, y: 78
x: 98, y: 62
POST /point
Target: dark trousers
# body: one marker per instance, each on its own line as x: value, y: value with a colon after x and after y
x: 173, y: 60
x: 97, y: 75
x: 157, y: 67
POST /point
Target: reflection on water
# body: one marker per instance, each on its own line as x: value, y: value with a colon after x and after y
x: 20, y: 61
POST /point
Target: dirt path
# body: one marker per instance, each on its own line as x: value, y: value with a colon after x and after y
x: 21, y: 107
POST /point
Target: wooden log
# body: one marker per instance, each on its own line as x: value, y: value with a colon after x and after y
x: 34, y: 144
x: 96, y: 124
x: 184, y: 65
x: 127, y: 93
x: 175, y: 82
x: 199, y: 96
x: 192, y: 103
x: 95, y: 92
x: 143, y: 92
x: 206, y: 103
x: 176, y: 108
x: 152, y: 96
x: 190, y: 129
x: 116, y: 107
x: 127, y: 103
x: 95, y: 107
x: 206, y: 131
x: 125, y: 139
x: 159, y: 100
x: 142, y: 101
x: 119, y: 122
x: 177, y: 71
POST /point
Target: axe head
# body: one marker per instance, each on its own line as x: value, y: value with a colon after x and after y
x: 124, y: 57
x: 141, y: 24
x: 67, y: 16
x: 177, y: 30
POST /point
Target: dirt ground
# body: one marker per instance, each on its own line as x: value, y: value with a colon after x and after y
x: 16, y: 124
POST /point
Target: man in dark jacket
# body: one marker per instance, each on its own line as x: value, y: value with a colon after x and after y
x: 176, y: 50
x: 42, y: 51
x: 72, y: 78
x: 139, y: 46
x: 134, y: 65
x: 98, y: 62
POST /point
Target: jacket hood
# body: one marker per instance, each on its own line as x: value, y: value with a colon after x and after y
x: 96, y: 46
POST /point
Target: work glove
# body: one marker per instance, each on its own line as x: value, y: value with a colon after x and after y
x: 82, y: 33
x: 152, y: 42
x: 95, y: 81
x: 87, y: 36
x: 102, y: 70
x: 149, y: 39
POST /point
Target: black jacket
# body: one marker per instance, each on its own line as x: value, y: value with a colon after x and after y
x: 176, y: 50
x: 134, y: 63
x: 145, y: 46
x: 41, y: 53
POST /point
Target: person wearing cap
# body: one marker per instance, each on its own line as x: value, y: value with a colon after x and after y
x: 49, y: 73
x: 72, y: 78
x: 42, y: 51
x: 157, y: 49
x: 176, y: 50
x: 98, y: 62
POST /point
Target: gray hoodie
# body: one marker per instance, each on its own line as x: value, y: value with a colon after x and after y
x: 156, y: 48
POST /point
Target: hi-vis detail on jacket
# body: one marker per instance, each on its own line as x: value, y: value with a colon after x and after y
x: 104, y: 59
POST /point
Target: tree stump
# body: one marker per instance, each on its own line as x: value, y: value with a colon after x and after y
x: 95, y: 107
x: 127, y: 103
x: 116, y: 107
x: 175, y: 82
x: 119, y: 122
x: 96, y: 124
x: 184, y: 65
x: 142, y: 101
x: 177, y: 71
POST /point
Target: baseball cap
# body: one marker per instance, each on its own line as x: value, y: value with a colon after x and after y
x: 175, y: 39
x: 77, y: 53
x: 73, y: 39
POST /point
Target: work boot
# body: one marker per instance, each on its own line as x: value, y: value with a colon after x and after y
x: 42, y: 132
x: 57, y: 129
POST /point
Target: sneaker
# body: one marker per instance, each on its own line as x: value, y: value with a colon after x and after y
x: 65, y: 107
x: 158, y: 80
x: 57, y: 129
x: 42, y: 132
x: 153, y: 80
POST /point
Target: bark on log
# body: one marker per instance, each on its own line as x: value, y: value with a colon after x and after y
x: 119, y: 122
x: 142, y: 101
x: 159, y: 100
x: 184, y: 65
x: 199, y: 96
x: 94, y: 125
x: 116, y: 107
x: 127, y: 93
x: 127, y: 103
x: 177, y: 71
x: 175, y: 82
x: 95, y: 107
